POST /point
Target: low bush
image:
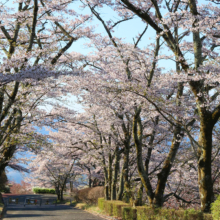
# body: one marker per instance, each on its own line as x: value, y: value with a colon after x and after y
x: 90, y: 195
x: 95, y: 193
x: 145, y: 213
x: 207, y: 216
x: 215, y: 209
x: 52, y: 191
x: 192, y: 214
x: 109, y: 207
x: 170, y: 214
x: 101, y: 202
x: 129, y: 213
x: 126, y: 212
x: 117, y: 208
x: 44, y: 190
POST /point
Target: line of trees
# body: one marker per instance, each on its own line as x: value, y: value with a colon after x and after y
x: 143, y: 125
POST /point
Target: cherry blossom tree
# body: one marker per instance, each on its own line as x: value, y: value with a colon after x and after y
x: 195, y: 19
x: 54, y: 168
x: 33, y: 38
x: 135, y: 108
x: 196, y: 75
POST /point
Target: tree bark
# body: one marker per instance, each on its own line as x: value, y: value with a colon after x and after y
x: 138, y: 134
x: 125, y: 171
x: 115, y: 174
x: 204, y: 164
x: 6, y: 155
x: 109, y: 175
x: 138, y: 201
x: 61, y: 195
x: 57, y: 192
x: 121, y: 187
x: 106, y: 192
x: 155, y: 198
x: 167, y: 165
x: 71, y: 186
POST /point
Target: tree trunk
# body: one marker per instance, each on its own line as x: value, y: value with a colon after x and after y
x: 125, y: 171
x: 138, y: 134
x: 115, y: 174
x: 58, y: 195
x: 9, y: 145
x: 109, y: 175
x: 106, y: 192
x: 167, y: 165
x: 61, y: 195
x: 90, y: 182
x: 138, y: 201
x: 121, y: 187
x: 6, y: 155
x: 57, y: 190
x: 71, y: 186
x: 204, y: 164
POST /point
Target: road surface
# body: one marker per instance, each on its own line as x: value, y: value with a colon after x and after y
x: 47, y: 210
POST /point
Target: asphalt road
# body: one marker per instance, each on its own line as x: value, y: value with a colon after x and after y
x: 47, y: 210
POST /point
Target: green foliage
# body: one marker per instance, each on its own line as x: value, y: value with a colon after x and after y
x: 170, y: 214
x: 126, y: 212
x: 145, y: 213
x: 52, y: 191
x: 44, y: 190
x: 101, y: 202
x: 117, y: 208
x: 215, y: 209
x: 112, y: 208
x: 193, y: 214
x: 109, y: 207
x: 5, y: 189
x: 129, y: 213
x: 207, y: 216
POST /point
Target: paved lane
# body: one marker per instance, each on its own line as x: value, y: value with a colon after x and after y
x: 46, y: 212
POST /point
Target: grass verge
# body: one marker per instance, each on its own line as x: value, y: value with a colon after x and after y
x: 1, y: 210
x: 93, y: 209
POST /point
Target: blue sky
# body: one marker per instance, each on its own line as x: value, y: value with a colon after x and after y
x: 17, y: 176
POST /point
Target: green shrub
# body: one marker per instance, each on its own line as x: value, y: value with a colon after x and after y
x: 207, y: 216
x: 117, y: 208
x: 192, y: 214
x: 146, y: 213
x: 179, y: 214
x: 52, y: 191
x: 126, y: 212
x: 129, y: 213
x: 43, y: 190
x: 169, y: 214
x: 101, y: 202
x: 215, y: 209
x: 109, y: 207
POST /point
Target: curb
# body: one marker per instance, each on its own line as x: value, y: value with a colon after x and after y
x: 100, y: 215
x: 103, y: 216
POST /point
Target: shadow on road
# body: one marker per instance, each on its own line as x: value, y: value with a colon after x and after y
x: 25, y: 216
x: 45, y: 211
